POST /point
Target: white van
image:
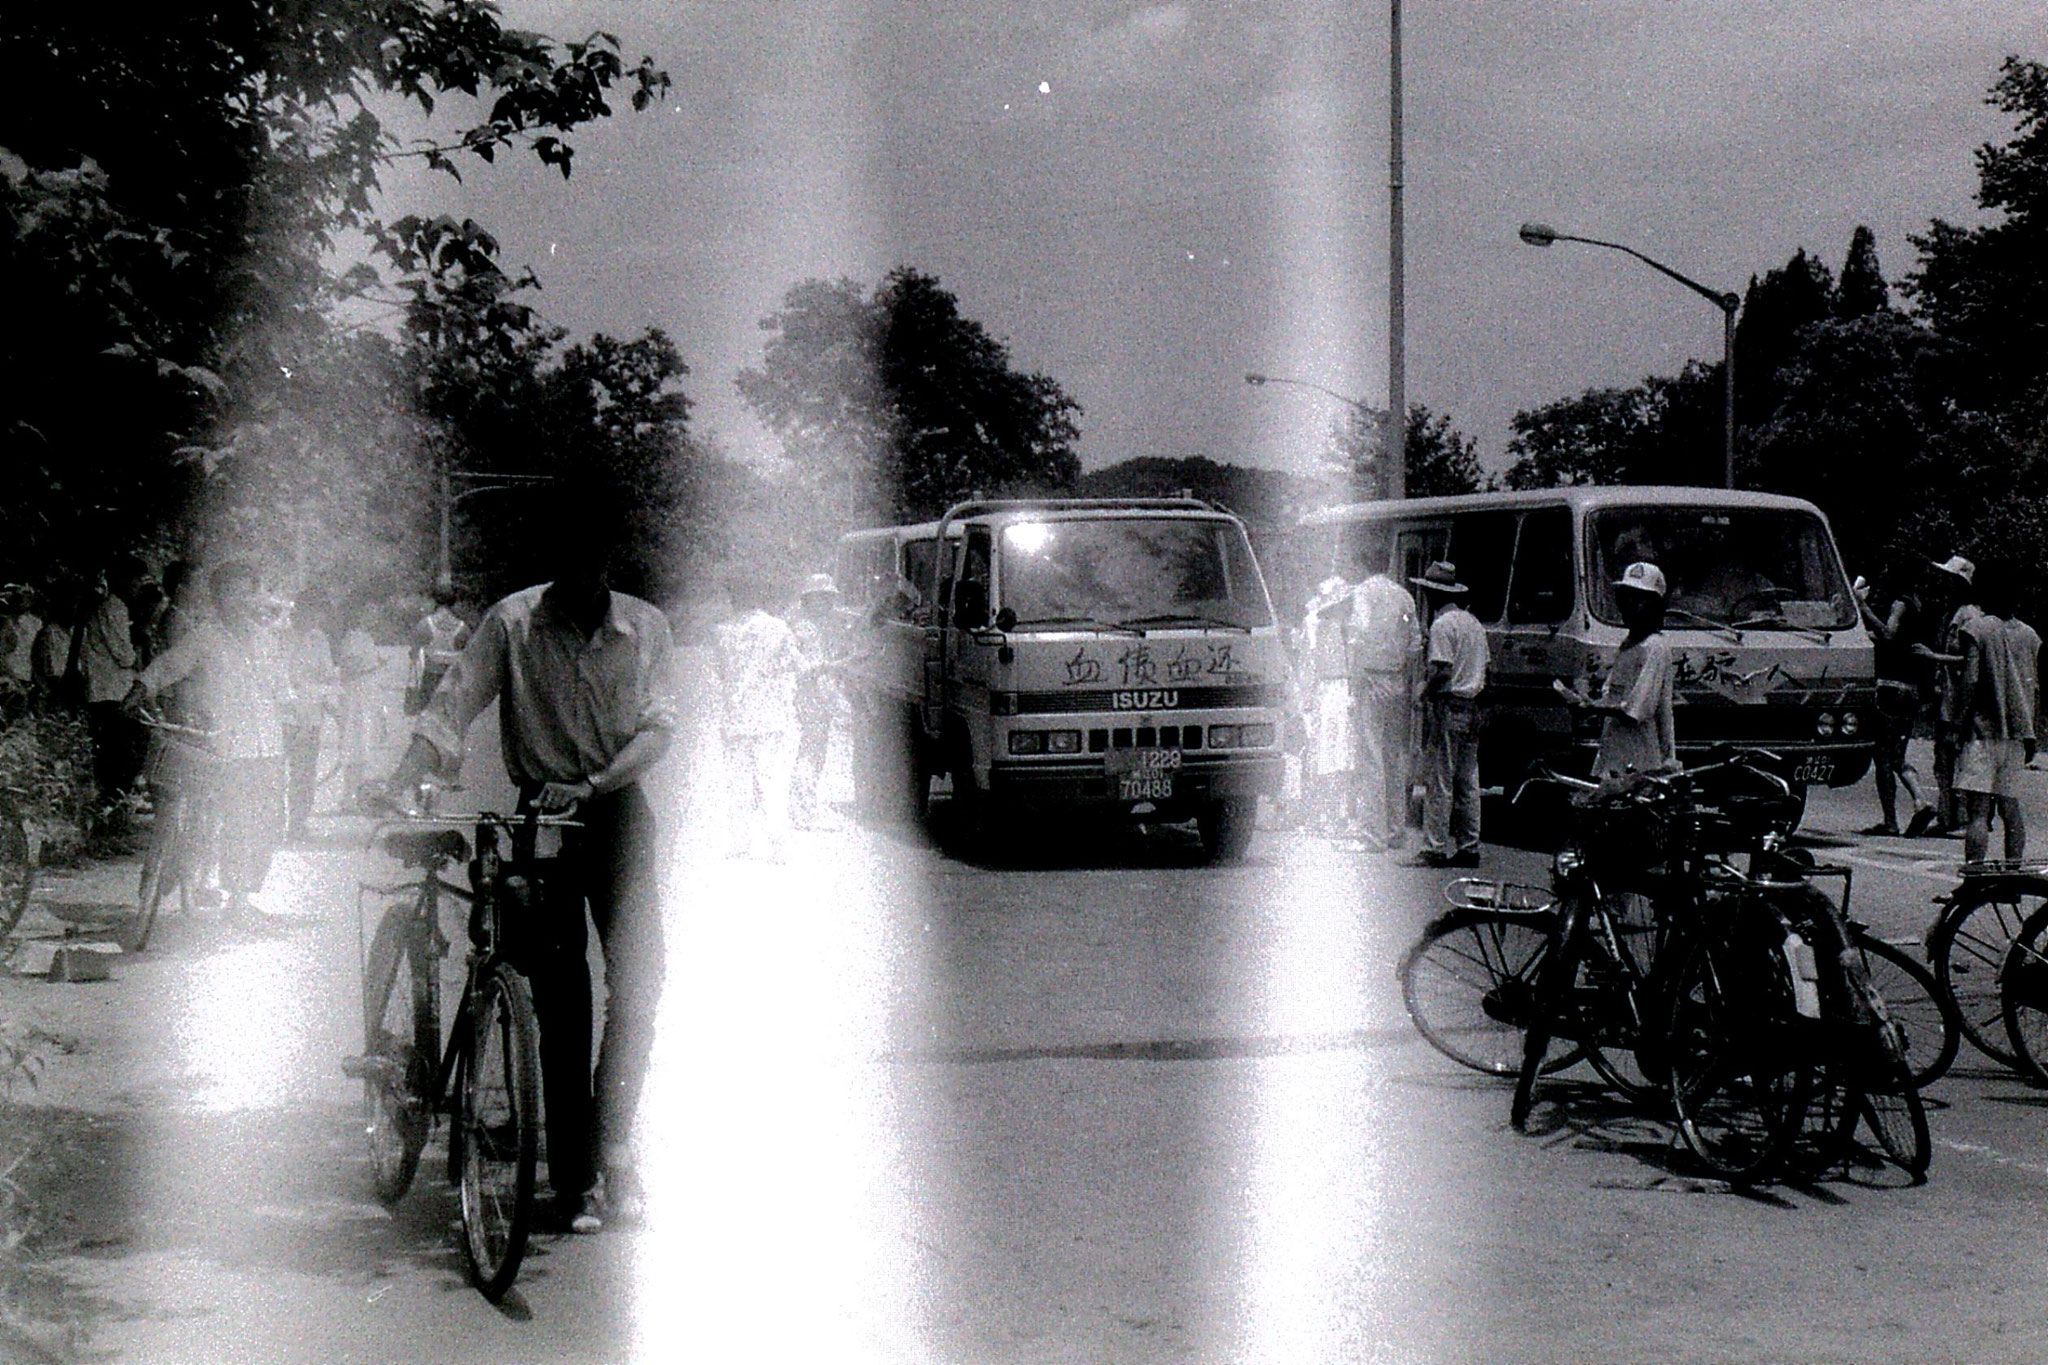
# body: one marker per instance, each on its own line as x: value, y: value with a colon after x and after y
x: 1771, y: 649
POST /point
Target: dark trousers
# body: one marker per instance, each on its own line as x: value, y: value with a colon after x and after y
x: 302, y: 758
x: 118, y: 744
x: 608, y: 864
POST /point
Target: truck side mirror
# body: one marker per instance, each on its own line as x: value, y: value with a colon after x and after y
x: 1006, y: 620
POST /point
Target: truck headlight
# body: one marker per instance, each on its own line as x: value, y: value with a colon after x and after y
x: 1063, y: 741
x: 1824, y: 724
x: 1254, y: 736
x: 1223, y: 736
x: 1027, y: 741
x: 1851, y: 723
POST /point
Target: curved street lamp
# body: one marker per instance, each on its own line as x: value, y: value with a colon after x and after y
x: 1542, y: 234
x: 1359, y: 405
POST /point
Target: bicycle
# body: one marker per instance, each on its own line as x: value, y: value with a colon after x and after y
x: 486, y: 1077
x: 2023, y: 996
x: 1968, y: 943
x: 1469, y: 981
x: 183, y: 770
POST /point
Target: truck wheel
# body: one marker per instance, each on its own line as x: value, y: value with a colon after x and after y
x: 1226, y: 825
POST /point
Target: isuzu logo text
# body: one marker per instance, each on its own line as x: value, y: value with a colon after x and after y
x: 1145, y: 701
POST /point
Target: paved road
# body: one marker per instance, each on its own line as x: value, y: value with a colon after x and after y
x: 1106, y: 1105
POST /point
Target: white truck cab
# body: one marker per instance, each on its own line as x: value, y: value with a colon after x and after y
x: 1115, y: 655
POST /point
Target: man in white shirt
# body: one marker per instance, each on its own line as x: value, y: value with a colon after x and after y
x: 1457, y: 664
x: 1332, y: 747
x: 759, y: 661
x: 1636, y: 733
x: 1383, y: 639
x: 1999, y: 701
x: 104, y: 657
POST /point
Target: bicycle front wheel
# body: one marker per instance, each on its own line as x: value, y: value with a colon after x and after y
x: 1967, y: 948
x: 498, y: 1125
x: 1915, y: 1003
x: 1555, y: 978
x: 400, y: 1035
x: 1470, y: 986
x: 1736, y: 1082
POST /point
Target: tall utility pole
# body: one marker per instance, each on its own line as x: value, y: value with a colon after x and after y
x: 1397, y: 304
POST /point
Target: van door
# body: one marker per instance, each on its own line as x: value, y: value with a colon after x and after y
x: 1535, y: 644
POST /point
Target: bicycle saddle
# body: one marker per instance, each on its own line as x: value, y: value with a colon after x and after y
x: 425, y: 847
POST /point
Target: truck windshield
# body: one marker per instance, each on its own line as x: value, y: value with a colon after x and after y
x: 1154, y: 572
x: 1727, y: 566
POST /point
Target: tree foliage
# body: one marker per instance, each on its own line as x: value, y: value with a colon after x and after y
x: 1441, y: 460
x: 172, y: 186
x: 891, y: 405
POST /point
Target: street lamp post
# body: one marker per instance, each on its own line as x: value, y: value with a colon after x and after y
x: 1540, y: 234
x: 1366, y: 410
x: 1397, y: 283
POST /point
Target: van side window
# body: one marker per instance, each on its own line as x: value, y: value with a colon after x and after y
x: 1481, y: 545
x: 1543, y: 568
x: 971, y: 593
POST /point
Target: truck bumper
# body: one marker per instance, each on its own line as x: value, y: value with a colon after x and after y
x: 1084, y: 784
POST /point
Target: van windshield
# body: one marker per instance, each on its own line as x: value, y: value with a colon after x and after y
x: 1732, y: 566
x: 1155, y: 572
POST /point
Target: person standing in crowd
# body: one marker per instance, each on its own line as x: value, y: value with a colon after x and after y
x: 1332, y: 755
x: 105, y: 664
x: 1636, y: 730
x: 241, y: 689
x: 1382, y: 639
x: 1955, y: 578
x: 437, y: 638
x: 355, y: 659
x: 310, y: 657
x: 1999, y: 697
x: 759, y: 662
x: 817, y: 698
x: 584, y: 681
x: 50, y: 656
x: 1901, y: 687
x: 180, y: 608
x: 18, y: 630
x: 1457, y: 663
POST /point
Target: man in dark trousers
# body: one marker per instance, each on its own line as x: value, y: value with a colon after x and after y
x: 582, y: 678
x: 1457, y: 662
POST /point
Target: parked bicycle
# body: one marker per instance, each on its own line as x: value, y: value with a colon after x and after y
x: 1968, y: 945
x: 184, y: 770
x: 485, y: 1074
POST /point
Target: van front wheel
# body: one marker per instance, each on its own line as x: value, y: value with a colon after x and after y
x: 1225, y: 825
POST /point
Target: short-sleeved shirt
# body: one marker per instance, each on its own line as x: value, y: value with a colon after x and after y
x: 1456, y: 638
x: 17, y: 646
x: 758, y: 663
x: 567, y: 703
x: 240, y: 684
x: 2001, y: 678
x: 1383, y: 633
x: 1641, y: 736
x: 1949, y: 677
x: 107, y: 654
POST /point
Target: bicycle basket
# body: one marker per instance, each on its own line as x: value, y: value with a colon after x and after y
x: 1627, y: 831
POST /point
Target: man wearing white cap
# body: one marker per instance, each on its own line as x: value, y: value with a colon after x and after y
x: 1457, y: 664
x: 1636, y: 733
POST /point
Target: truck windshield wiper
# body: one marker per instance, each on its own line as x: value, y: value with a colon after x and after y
x: 1709, y: 622
x: 1093, y: 622
x: 1778, y: 621
x: 1190, y: 618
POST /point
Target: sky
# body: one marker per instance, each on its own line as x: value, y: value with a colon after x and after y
x: 1146, y: 202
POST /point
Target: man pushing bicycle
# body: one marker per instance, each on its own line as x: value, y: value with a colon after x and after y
x: 582, y: 678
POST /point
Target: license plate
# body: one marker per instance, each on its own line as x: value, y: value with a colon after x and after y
x: 1142, y: 774
x: 1814, y: 771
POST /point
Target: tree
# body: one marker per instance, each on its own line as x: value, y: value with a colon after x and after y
x: 171, y: 187
x: 892, y: 405
x: 1441, y: 460
x: 1602, y: 436
x: 1986, y: 288
x: 1862, y: 291
x: 1774, y: 308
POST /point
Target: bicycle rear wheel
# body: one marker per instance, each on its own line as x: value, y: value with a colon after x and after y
x: 1915, y: 1004
x: 2023, y: 997
x: 1470, y: 986
x: 1968, y: 947
x: 498, y: 1125
x: 400, y: 1033
x: 1736, y: 1082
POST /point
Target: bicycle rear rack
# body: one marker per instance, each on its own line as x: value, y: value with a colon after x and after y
x: 1481, y: 893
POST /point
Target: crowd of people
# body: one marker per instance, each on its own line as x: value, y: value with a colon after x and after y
x: 1392, y: 696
